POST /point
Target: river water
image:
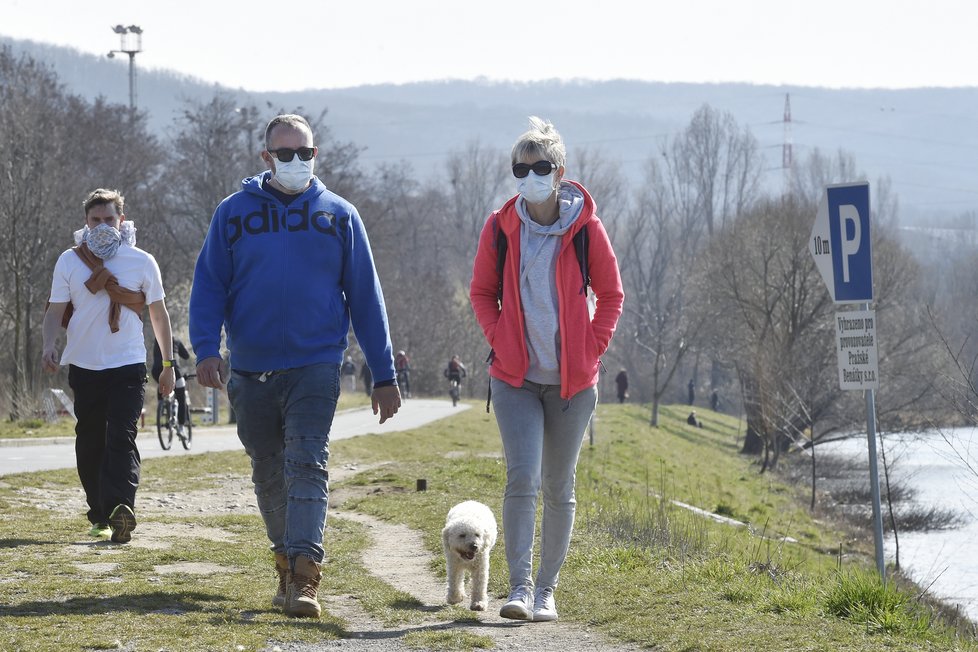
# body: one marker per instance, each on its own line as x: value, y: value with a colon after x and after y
x: 944, y: 560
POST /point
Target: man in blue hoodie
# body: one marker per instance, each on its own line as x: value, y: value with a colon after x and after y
x: 285, y: 268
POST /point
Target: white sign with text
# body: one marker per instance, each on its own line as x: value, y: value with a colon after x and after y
x: 855, y: 339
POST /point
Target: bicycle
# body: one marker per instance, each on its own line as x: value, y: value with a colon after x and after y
x: 404, y: 382
x: 167, y: 412
x: 453, y: 391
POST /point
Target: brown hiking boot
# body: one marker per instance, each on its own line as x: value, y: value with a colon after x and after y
x: 282, y: 568
x: 303, y: 586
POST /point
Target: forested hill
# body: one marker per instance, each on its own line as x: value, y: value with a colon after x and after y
x: 925, y: 140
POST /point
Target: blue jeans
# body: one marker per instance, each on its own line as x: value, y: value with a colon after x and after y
x: 542, y: 435
x: 284, y: 421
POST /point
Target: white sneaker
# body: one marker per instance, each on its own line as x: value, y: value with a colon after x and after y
x: 520, y: 604
x: 544, y: 606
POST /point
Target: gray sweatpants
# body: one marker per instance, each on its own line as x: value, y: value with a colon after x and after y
x: 542, y: 435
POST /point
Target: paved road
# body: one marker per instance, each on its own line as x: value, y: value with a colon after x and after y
x: 18, y: 455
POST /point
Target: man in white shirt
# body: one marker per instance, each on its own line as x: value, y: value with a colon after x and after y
x: 100, y: 286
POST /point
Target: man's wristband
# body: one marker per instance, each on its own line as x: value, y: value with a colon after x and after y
x: 168, y: 363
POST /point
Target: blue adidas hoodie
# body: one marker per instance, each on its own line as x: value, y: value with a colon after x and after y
x: 286, y: 281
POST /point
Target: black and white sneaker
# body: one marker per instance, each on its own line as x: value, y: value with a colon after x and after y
x: 123, y: 522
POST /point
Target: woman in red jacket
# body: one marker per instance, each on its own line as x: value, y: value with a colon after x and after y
x: 546, y: 344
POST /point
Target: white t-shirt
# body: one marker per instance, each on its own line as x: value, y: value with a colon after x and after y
x: 91, y: 343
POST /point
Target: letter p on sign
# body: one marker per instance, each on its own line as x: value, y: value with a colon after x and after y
x: 849, y: 214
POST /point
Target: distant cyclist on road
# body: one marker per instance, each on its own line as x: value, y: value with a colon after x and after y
x: 180, y: 388
x: 402, y: 365
x: 455, y: 370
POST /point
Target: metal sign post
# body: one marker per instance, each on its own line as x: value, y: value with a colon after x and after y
x: 874, y: 478
x: 841, y: 247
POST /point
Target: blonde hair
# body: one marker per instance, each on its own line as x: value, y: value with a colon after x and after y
x: 541, y: 139
x: 101, y: 196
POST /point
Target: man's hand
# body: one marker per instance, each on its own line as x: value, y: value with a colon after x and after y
x: 50, y: 330
x: 50, y: 360
x: 167, y: 381
x: 211, y: 372
x: 386, y: 401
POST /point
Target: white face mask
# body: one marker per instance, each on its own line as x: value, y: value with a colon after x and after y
x: 295, y: 174
x: 534, y: 188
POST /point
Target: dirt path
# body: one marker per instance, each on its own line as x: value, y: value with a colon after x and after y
x: 404, y: 566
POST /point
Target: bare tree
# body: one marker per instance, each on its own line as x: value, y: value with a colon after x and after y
x: 479, y: 177
x: 657, y: 257
x: 603, y: 178
x: 32, y: 135
x: 54, y: 147
x: 702, y: 180
x: 720, y: 162
x: 774, y: 307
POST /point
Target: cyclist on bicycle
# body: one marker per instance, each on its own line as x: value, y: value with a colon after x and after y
x: 180, y: 388
x: 402, y: 365
x: 455, y: 370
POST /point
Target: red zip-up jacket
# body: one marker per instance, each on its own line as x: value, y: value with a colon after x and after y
x: 583, y: 339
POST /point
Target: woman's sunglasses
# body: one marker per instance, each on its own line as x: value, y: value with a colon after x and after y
x: 541, y: 168
x: 286, y: 154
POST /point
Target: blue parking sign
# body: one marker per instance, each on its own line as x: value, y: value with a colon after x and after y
x: 849, y: 234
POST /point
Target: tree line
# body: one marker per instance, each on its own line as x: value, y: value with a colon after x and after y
x: 720, y: 288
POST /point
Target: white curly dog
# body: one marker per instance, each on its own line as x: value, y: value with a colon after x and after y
x: 468, y: 537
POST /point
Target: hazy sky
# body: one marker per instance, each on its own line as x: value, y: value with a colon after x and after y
x: 329, y: 44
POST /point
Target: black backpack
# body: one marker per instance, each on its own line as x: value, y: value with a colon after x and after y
x: 581, y: 243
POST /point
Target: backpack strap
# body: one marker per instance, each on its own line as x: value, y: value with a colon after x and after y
x: 501, y: 246
x: 581, y: 246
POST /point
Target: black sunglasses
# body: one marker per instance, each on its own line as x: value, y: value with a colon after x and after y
x: 541, y: 168
x: 286, y: 154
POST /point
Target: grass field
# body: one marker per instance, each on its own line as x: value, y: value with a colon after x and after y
x: 640, y: 568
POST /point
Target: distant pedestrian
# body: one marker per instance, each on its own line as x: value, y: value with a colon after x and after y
x: 349, y: 370
x: 621, y: 382
x: 715, y: 401
x: 692, y: 391
x: 367, y: 379
x: 693, y: 421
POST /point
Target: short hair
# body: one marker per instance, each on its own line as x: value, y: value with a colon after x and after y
x: 540, y: 139
x: 101, y: 196
x: 290, y: 119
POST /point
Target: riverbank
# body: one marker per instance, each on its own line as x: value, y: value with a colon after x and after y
x: 640, y: 572
x: 934, y: 477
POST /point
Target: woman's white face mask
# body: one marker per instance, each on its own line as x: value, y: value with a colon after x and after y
x: 534, y: 188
